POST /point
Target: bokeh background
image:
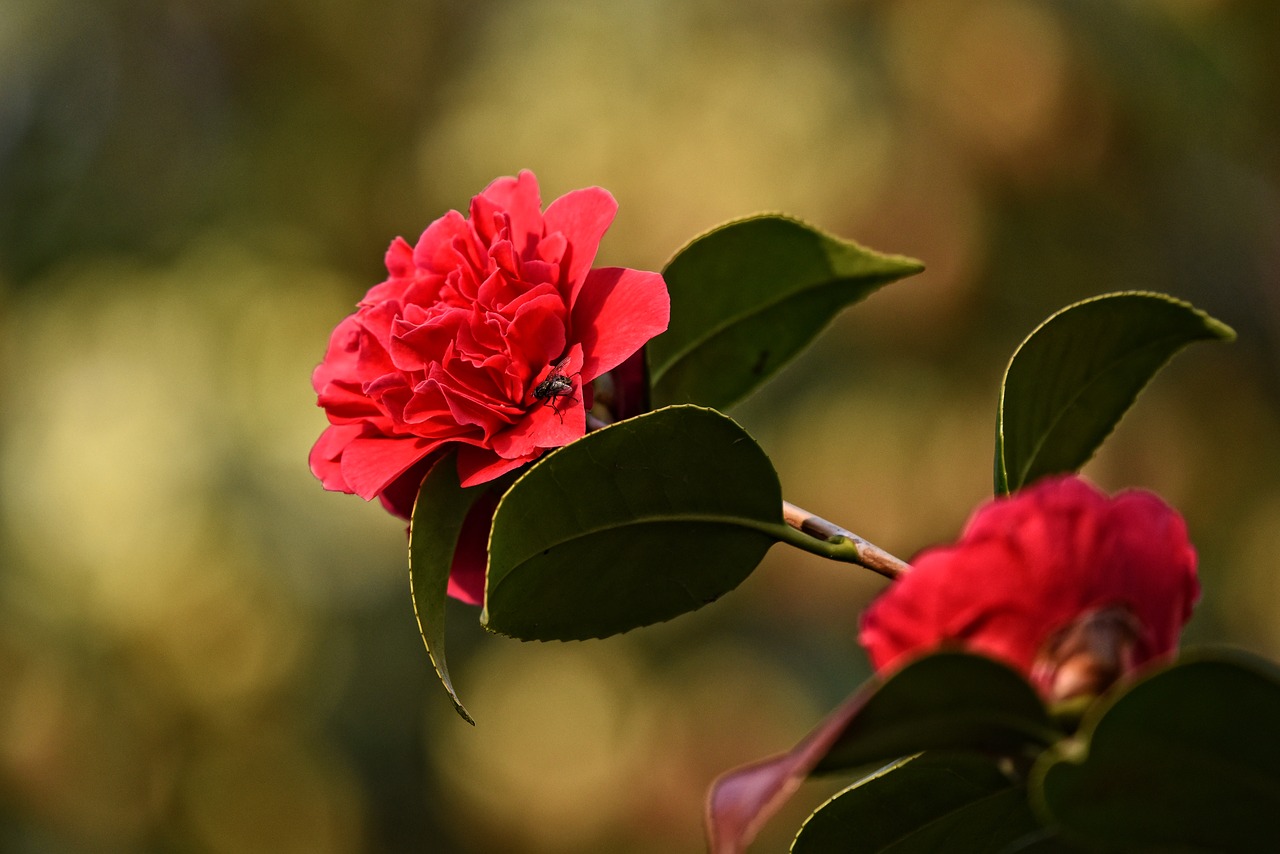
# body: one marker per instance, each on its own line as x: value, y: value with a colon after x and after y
x: 202, y: 651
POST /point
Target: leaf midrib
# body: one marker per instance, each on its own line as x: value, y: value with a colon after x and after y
x: 769, y: 528
x: 1061, y: 413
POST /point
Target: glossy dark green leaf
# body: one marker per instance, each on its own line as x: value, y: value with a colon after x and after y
x: 633, y: 524
x: 960, y: 804
x: 1073, y: 378
x: 1046, y: 841
x: 949, y: 700
x: 438, y: 514
x: 748, y: 296
x: 1188, y: 759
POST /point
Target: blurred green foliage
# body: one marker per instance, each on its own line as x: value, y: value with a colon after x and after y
x: 202, y: 651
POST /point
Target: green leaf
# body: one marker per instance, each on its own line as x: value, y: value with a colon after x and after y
x: 1073, y: 378
x: 438, y: 514
x: 631, y: 525
x: 949, y: 700
x: 924, y: 804
x: 1187, y: 760
x: 748, y: 296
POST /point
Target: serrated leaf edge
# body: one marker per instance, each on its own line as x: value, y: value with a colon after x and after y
x: 895, y: 267
x: 1217, y: 329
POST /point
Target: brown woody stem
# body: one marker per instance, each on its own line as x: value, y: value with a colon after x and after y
x: 868, y: 554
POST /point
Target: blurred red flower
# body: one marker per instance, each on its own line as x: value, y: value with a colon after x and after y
x: 1067, y: 585
x: 448, y: 352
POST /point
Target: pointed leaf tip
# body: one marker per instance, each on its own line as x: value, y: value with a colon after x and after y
x: 748, y: 296
x: 438, y: 515
x: 1073, y: 378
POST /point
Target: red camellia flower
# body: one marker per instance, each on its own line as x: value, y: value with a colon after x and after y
x: 484, y: 338
x: 1061, y: 582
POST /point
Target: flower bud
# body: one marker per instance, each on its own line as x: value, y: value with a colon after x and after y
x: 1071, y: 587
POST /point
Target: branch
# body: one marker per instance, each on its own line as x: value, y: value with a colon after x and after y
x: 868, y: 555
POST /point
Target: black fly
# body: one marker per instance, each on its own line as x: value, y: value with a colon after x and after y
x: 557, y: 384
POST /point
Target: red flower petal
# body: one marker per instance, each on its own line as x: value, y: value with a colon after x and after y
x: 480, y: 465
x: 399, y: 258
x: 326, y: 455
x: 519, y: 198
x: 582, y: 216
x: 553, y: 421
x: 536, y: 335
x: 617, y: 311
x: 369, y: 465
x: 1031, y: 565
x: 447, y: 243
x: 401, y: 494
x: 341, y: 357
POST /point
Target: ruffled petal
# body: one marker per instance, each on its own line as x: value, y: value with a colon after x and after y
x: 1033, y: 564
x: 617, y: 311
x: 519, y: 198
x: 478, y: 465
x: 582, y: 216
x: 326, y: 455
x: 370, y: 464
x: 446, y: 244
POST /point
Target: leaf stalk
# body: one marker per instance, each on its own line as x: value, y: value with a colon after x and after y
x: 821, y: 537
